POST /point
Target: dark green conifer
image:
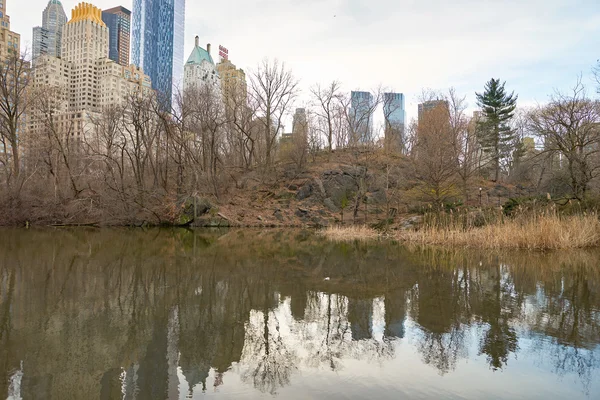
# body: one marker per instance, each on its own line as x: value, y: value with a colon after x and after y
x: 494, y: 132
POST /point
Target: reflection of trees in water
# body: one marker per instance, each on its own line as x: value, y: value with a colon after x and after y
x: 448, y: 301
x: 443, y: 350
x: 574, y: 360
x: 500, y: 305
x: 439, y: 305
x: 268, y: 361
x: 124, y: 304
x: 276, y: 343
x: 565, y: 315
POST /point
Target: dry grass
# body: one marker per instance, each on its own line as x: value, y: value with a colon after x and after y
x: 548, y: 231
x: 350, y: 233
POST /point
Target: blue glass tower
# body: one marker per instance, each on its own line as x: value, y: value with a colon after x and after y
x: 118, y: 21
x: 394, y: 114
x: 361, y: 111
x: 158, y: 29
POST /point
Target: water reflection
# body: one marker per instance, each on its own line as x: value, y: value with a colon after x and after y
x: 173, y: 314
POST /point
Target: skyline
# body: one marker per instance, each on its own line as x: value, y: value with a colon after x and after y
x: 550, y: 44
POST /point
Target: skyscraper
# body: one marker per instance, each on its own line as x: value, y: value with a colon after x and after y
x: 47, y: 38
x: 158, y: 28
x: 361, y: 115
x: 84, y: 82
x: 394, y: 116
x: 118, y: 21
x: 10, y: 42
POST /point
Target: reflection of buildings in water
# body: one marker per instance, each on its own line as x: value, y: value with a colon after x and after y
x: 14, y: 387
x: 395, y: 313
x: 130, y: 378
x: 212, y: 329
x: 153, y: 374
x: 118, y: 317
x: 156, y: 374
x: 360, y: 315
x: 173, y: 353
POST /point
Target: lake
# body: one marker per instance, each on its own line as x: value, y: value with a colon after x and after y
x: 178, y: 314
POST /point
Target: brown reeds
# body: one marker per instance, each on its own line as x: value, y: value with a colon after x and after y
x: 350, y: 233
x: 535, y: 231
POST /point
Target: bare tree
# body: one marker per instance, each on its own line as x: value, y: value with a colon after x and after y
x: 58, y: 146
x: 208, y: 123
x: 325, y: 99
x: 464, y: 140
x: 15, y: 77
x: 273, y: 89
x: 569, y: 126
x: 434, y: 159
x: 359, y: 112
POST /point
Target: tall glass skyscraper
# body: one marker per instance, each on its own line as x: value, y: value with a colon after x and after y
x: 394, y: 114
x: 47, y: 38
x: 158, y: 29
x: 118, y: 21
x: 361, y: 113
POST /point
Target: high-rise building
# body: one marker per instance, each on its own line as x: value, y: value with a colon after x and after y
x: 118, y: 21
x: 300, y: 124
x: 394, y: 116
x: 84, y: 81
x: 361, y: 113
x: 430, y: 105
x: 200, y: 68
x: 233, y: 80
x: 10, y: 42
x: 48, y: 37
x: 158, y: 28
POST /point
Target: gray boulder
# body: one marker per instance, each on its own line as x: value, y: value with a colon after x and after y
x: 305, y: 192
x: 331, y: 205
x: 339, y: 186
x: 187, y: 205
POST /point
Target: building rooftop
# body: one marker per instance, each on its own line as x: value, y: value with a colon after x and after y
x: 86, y: 12
x: 199, y: 54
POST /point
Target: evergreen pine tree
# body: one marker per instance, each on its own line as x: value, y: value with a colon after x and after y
x: 493, y: 130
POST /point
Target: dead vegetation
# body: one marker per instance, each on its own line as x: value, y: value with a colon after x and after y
x: 548, y: 231
x: 350, y: 233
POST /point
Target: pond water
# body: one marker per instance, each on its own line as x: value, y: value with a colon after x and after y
x: 176, y: 314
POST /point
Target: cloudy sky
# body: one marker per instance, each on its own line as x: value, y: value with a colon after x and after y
x: 406, y: 45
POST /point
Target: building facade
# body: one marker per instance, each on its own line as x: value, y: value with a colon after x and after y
x: 118, y: 21
x: 233, y: 81
x: 424, y: 107
x: 361, y: 117
x: 300, y: 124
x: 200, y: 68
x: 10, y: 42
x: 48, y: 37
x: 158, y: 28
x: 395, y: 119
x: 84, y: 81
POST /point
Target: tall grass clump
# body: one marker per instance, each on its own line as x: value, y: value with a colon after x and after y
x: 541, y: 230
x: 350, y: 233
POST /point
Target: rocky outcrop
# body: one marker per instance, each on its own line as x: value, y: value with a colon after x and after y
x: 335, y: 189
x: 186, y: 216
